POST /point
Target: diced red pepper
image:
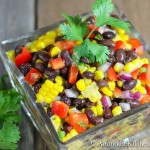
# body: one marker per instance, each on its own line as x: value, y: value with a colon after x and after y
x: 23, y: 57
x: 145, y: 99
x: 147, y: 86
x: 135, y: 74
x: 60, y: 108
x: 135, y: 43
x: 65, y: 45
x: 57, y: 63
x: 120, y: 45
x: 78, y: 121
x: 112, y: 74
x: 73, y: 74
x: 117, y: 92
x: 145, y: 77
x: 33, y: 76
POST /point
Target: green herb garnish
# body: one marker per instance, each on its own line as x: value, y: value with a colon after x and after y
x: 77, y: 28
x: 82, y: 124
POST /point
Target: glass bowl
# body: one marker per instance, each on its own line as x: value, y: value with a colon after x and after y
x: 129, y: 126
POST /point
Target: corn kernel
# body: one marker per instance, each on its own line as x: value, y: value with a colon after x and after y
x: 117, y: 111
x: 119, y: 83
x: 49, y: 84
x: 141, y: 89
x: 129, y: 67
x: 118, y: 67
x: 59, y: 80
x: 54, y: 51
x: 50, y: 96
x: 100, y: 110
x: 58, y: 87
x: 53, y: 92
x: 44, y: 88
x: 73, y: 132
x: 120, y: 31
x: 144, y: 61
x: 64, y: 139
x: 134, y: 90
x: 11, y: 55
x: 98, y: 75
x: 87, y: 81
x: 42, y: 37
x: 42, y: 92
x: 94, y: 41
x: 128, y: 46
x: 83, y: 110
x: 52, y: 34
x: 79, y: 42
x: 33, y: 49
x: 48, y: 41
x: 138, y: 83
x: 81, y: 96
x: 80, y: 85
x: 112, y: 85
x: 137, y: 62
x: 125, y: 37
x: 47, y: 99
x: 39, y: 98
x: 39, y: 45
x: 91, y: 69
x: 106, y: 91
x: 93, y: 108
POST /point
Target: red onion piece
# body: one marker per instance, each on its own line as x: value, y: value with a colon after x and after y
x: 104, y: 67
x: 124, y: 76
x: 71, y: 93
x: 106, y: 102
x: 125, y: 106
x: 128, y: 95
x: 137, y: 95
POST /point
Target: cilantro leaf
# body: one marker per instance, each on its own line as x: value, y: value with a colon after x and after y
x: 75, y: 30
x: 102, y: 9
x: 9, y: 136
x: 82, y: 124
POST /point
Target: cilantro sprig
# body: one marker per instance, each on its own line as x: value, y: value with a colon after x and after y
x: 9, y: 106
x: 77, y: 28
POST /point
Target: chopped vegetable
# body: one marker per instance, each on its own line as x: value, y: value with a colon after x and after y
x: 112, y: 74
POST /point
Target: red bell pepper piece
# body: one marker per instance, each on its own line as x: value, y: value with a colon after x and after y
x: 78, y: 121
x: 57, y: 63
x: 145, y: 77
x: 33, y: 76
x: 117, y: 92
x: 73, y: 74
x: 60, y: 108
x: 145, y: 99
x: 23, y: 57
x: 147, y: 86
x: 120, y: 45
x: 135, y: 74
x: 112, y: 74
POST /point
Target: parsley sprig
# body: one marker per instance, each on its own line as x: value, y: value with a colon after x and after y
x: 77, y: 28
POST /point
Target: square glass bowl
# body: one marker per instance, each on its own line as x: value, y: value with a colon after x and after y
x: 129, y: 126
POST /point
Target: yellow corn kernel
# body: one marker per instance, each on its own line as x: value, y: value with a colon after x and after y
x: 100, y: 110
x: 33, y: 49
x: 93, y: 108
x: 141, y: 89
x: 117, y: 111
x: 137, y: 62
x: 54, y: 51
x: 47, y: 99
x: 83, y: 110
x: 118, y: 67
x: 120, y: 31
x: 68, y: 136
x: 98, y: 75
x: 42, y: 37
x: 106, y: 91
x: 79, y: 42
x: 49, y: 84
x: 44, y: 88
x: 45, y: 108
x: 134, y: 90
x: 81, y: 96
x: 64, y: 139
x: 87, y: 81
x: 39, y: 98
x: 112, y: 85
x: 125, y: 37
x: 94, y: 41
x: 59, y: 80
x: 80, y: 85
x: 11, y: 55
x: 52, y: 34
x: 73, y: 132
x: 38, y: 60
x: 138, y: 83
x: 40, y: 45
x: 58, y: 87
x: 91, y: 69
x: 53, y: 92
x: 50, y: 96
x: 129, y: 67
x: 49, y: 41
x: 144, y: 61
x: 128, y: 46
x: 119, y: 83
x: 42, y: 92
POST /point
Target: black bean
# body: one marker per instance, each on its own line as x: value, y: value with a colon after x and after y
x: 112, y: 52
x: 50, y: 71
x: 25, y: 68
x: 90, y: 20
x: 37, y: 87
x: 40, y: 66
x: 90, y: 116
x: 66, y: 100
x: 112, y: 60
x: 66, y: 56
x: 108, y: 35
x: 120, y: 55
x: 107, y: 113
x: 48, y: 48
x: 98, y: 120
x: 59, y: 38
x: 18, y: 50
x: 74, y: 87
x: 102, y: 83
x: 114, y: 104
x: 49, y: 113
x: 68, y: 85
x: 79, y: 103
x: 35, y: 57
x: 51, y: 78
x: 66, y: 127
x: 89, y: 104
x: 129, y: 85
x: 64, y: 70
x: 85, y: 60
x: 133, y: 103
x: 130, y: 56
x: 88, y: 75
x: 44, y: 56
x: 62, y: 94
x: 108, y: 43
